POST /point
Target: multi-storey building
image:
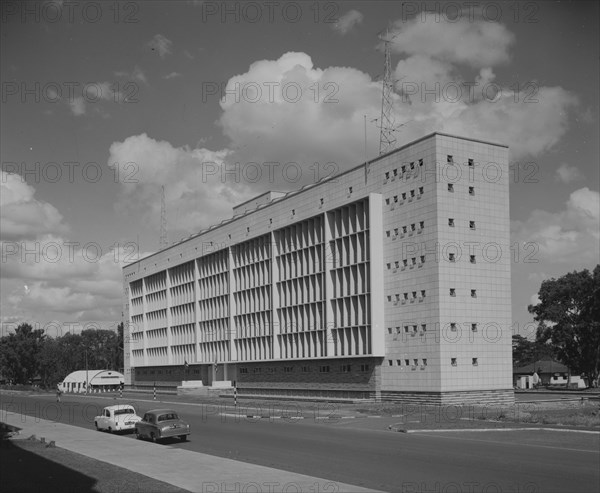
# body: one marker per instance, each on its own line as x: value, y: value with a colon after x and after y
x: 390, y: 280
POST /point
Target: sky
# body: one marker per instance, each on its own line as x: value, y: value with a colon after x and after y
x: 103, y: 103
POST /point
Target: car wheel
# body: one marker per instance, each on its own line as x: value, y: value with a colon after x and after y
x: 153, y: 437
x: 183, y: 438
x: 138, y: 435
x: 96, y: 424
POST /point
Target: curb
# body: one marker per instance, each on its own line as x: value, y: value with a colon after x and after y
x: 445, y: 430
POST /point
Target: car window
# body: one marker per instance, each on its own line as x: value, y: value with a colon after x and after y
x: 124, y: 411
x: 166, y: 417
x: 147, y: 417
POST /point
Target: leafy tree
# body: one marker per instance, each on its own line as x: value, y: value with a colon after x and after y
x: 526, y: 351
x: 19, y: 353
x: 568, y: 317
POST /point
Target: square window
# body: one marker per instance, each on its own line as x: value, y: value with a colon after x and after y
x: 453, y: 362
x: 471, y: 190
x: 407, y: 362
x: 451, y: 222
x: 450, y: 187
x: 389, y: 330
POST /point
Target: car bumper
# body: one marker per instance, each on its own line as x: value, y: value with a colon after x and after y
x: 174, y: 432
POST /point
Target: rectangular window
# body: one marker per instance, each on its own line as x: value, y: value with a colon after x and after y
x: 420, y: 162
x: 389, y: 330
x: 473, y: 293
x: 404, y: 196
x: 396, y: 264
x: 396, y: 231
x: 364, y: 368
x: 414, y: 295
x: 346, y: 368
x: 396, y: 172
x: 390, y: 362
x: 407, y: 362
x: 471, y: 190
x: 424, y: 327
x: 293, y: 212
x: 449, y: 159
x: 322, y: 200
x: 451, y: 222
x: 423, y: 293
x: 412, y: 193
x: 453, y: 362
x: 422, y: 259
x: 472, y: 259
x: 452, y: 292
x: 422, y: 224
x: 387, y: 201
x: 288, y: 369
x: 451, y: 257
x: 403, y: 169
x: 453, y: 327
x: 395, y: 198
x: 388, y: 266
x: 421, y: 190
x: 324, y: 369
x: 387, y: 233
x: 399, y: 362
x: 257, y: 370
x: 474, y: 327
x: 406, y: 296
x: 450, y: 187
x: 475, y: 362
x: 404, y: 229
x: 349, y: 189
x: 471, y: 224
x: 415, y: 362
x: 387, y: 175
x: 413, y: 227
x: 424, y: 361
x: 405, y: 262
x: 305, y: 369
x: 406, y: 329
x: 471, y: 163
x: 414, y: 260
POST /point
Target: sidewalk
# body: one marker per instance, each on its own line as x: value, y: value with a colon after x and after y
x: 191, y: 471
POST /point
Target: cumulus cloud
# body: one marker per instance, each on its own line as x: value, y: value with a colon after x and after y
x: 172, y: 75
x: 348, y: 21
x: 568, y: 174
x: 22, y: 215
x: 160, y: 44
x: 570, y: 236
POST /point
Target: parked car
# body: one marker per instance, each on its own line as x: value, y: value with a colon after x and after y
x: 162, y: 423
x: 117, y: 418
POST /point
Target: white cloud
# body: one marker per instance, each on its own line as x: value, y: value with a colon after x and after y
x: 161, y: 44
x: 348, y: 21
x: 569, y: 236
x: 568, y: 174
x: 172, y: 75
x: 77, y: 105
x: 22, y: 215
x: 476, y: 43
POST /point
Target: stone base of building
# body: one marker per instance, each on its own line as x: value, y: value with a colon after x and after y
x: 306, y: 394
x: 503, y: 397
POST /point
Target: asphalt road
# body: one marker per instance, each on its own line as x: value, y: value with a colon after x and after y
x: 366, y: 454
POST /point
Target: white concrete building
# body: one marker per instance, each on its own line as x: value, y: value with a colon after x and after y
x: 390, y: 280
x: 94, y: 380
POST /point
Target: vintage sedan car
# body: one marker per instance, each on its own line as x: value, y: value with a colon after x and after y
x: 121, y: 417
x: 162, y: 423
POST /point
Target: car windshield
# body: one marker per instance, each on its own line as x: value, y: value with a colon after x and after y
x: 124, y: 411
x: 168, y: 416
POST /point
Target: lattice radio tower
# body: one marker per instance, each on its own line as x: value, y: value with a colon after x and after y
x: 164, y: 241
x: 387, y: 140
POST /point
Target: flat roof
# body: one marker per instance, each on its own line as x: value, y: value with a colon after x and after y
x: 293, y: 193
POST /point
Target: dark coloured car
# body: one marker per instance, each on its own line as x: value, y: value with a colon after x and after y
x: 162, y: 423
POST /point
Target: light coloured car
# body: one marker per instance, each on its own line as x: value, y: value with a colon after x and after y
x: 162, y: 423
x: 121, y: 417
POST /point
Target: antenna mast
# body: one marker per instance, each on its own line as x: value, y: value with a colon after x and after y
x: 164, y: 241
x: 387, y: 140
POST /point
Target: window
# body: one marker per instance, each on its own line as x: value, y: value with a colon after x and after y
x: 396, y: 172
x: 406, y: 329
x: 407, y: 362
x: 452, y: 257
x: 390, y: 362
x: 404, y: 229
x: 364, y: 368
x: 399, y: 362
x: 471, y: 190
x: 271, y: 370
x: 472, y: 259
x: 404, y: 196
x: 453, y: 362
x: 387, y: 233
x: 471, y: 224
x: 414, y: 260
x: 293, y: 212
x: 387, y: 175
x: 389, y: 297
x: 471, y: 163
x: 414, y: 295
x: 421, y: 190
x: 451, y: 222
x: 422, y: 293
x: 424, y: 361
x: 396, y: 264
x: 475, y: 362
x: 424, y: 327
x: 288, y: 369
x: 403, y: 169
x: 349, y: 189
x: 453, y: 327
x: 412, y: 193
x: 324, y: 369
x: 405, y: 262
x: 452, y: 292
x: 396, y: 231
x: 413, y: 227
x: 397, y: 330
x: 387, y: 201
x: 422, y: 224
x: 422, y: 259
x: 474, y: 327
x: 271, y: 219
x: 450, y: 187
x: 257, y: 370
x: 388, y: 266
x: 395, y: 198
x: 414, y: 329
x: 473, y: 293
x: 305, y: 369
x: 420, y: 162
x: 412, y: 165
x: 322, y: 200
x: 415, y: 362
x: 248, y: 229
x: 389, y: 330
x: 406, y: 296
x: 449, y: 159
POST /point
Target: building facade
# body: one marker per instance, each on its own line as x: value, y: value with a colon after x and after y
x: 390, y: 280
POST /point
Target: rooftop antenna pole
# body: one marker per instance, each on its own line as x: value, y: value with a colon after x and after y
x: 387, y: 140
x: 164, y: 241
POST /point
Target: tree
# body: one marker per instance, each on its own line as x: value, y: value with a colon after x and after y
x: 19, y: 353
x: 526, y: 351
x: 568, y: 317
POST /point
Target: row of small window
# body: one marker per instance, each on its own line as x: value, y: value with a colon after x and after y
x: 415, y: 363
x: 409, y: 329
x: 451, y: 189
x: 405, y: 229
x: 451, y: 223
x: 403, y: 169
x: 450, y: 160
x: 306, y: 369
x: 401, y: 198
x: 452, y: 258
x: 405, y: 296
x: 413, y: 261
x: 473, y: 292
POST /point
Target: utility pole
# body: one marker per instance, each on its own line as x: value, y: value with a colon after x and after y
x: 87, y: 381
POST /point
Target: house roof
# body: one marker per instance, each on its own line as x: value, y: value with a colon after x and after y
x: 542, y: 366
